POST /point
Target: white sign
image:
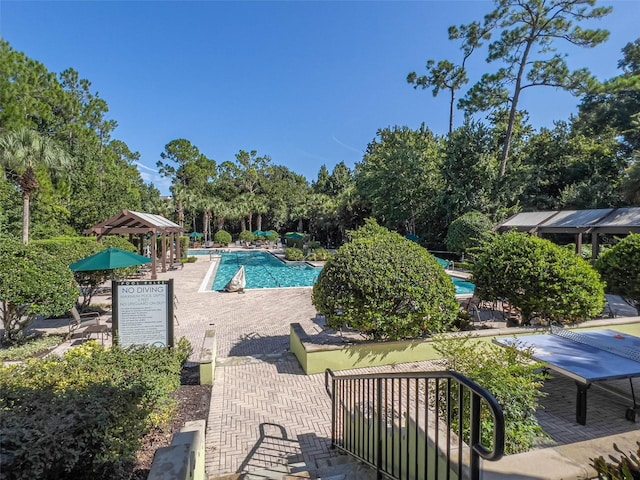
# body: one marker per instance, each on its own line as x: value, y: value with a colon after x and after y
x: 143, y: 313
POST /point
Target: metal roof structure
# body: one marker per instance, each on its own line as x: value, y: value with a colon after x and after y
x: 133, y: 223
x: 612, y: 221
x: 604, y: 220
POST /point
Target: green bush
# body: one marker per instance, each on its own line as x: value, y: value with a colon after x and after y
x: 386, y: 287
x: 627, y: 467
x: 272, y: 235
x: 30, y: 346
x: 32, y: 283
x: 319, y: 255
x: 246, y: 236
x: 537, y: 277
x: 466, y: 231
x: 83, y: 415
x: 620, y: 268
x: 294, y: 254
x: 72, y: 249
x: 222, y: 237
x: 510, y: 376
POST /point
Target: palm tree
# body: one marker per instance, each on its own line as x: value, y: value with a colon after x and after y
x: 22, y: 153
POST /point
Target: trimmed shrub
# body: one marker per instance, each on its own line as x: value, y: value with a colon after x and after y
x: 386, y: 287
x: 466, y: 231
x: 32, y: 283
x: 510, y: 375
x: 294, y: 254
x: 319, y: 255
x: 620, y: 268
x: 537, y: 276
x: 222, y: 237
x: 246, y: 236
x: 83, y: 415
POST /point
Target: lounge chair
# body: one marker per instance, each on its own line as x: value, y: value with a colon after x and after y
x: 96, y: 326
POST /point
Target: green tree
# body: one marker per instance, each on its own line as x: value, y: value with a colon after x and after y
x: 22, y: 154
x: 470, y: 172
x: 386, y: 287
x: 466, y: 231
x: 620, y: 268
x: 400, y: 177
x: 617, y: 102
x: 27, y: 289
x: 566, y: 168
x: 537, y: 276
x: 445, y: 75
x: 630, y: 183
x: 527, y: 32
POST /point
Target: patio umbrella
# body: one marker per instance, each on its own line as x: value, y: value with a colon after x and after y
x: 196, y: 235
x: 108, y: 260
x: 412, y: 237
x: 295, y: 236
x: 259, y: 233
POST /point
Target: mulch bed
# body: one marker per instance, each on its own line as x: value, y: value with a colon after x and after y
x: 193, y: 404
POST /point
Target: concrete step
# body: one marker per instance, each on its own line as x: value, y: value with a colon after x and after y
x: 341, y: 467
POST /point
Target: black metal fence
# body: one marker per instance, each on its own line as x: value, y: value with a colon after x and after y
x: 416, y: 425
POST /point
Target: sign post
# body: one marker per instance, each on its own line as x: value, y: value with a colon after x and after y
x: 143, y: 312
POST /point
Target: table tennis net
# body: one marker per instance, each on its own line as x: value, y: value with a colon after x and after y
x: 621, y: 351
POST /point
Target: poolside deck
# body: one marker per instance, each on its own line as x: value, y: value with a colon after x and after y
x: 259, y: 384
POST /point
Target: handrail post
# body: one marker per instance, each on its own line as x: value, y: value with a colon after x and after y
x: 475, y: 435
x: 379, y: 432
x: 332, y: 394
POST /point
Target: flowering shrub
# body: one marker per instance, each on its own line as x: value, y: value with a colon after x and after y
x: 83, y: 415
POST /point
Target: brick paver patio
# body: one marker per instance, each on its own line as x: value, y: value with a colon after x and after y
x: 265, y: 411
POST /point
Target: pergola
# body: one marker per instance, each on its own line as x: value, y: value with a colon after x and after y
x: 144, y: 224
x: 612, y: 221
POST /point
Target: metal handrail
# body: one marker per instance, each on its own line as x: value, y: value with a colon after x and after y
x: 410, y: 425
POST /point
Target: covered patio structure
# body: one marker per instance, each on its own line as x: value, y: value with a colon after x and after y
x: 604, y: 221
x: 144, y: 225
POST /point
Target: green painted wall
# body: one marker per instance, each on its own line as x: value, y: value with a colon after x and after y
x: 317, y: 358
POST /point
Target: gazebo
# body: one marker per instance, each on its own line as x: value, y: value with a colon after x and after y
x: 144, y: 224
x: 604, y: 221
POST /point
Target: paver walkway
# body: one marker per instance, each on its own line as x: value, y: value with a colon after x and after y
x: 265, y: 411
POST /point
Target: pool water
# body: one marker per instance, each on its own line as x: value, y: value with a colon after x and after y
x: 263, y: 270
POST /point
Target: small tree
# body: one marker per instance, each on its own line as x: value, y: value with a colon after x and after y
x: 246, y: 236
x: 511, y: 376
x: 386, y: 287
x: 69, y: 250
x: 466, y: 231
x: 537, y: 276
x: 32, y: 283
x: 222, y: 237
x: 620, y: 268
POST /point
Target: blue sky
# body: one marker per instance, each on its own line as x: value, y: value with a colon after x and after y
x: 307, y: 83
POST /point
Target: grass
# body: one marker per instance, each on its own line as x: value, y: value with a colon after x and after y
x: 30, y: 347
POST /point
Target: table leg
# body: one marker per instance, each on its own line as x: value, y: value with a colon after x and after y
x: 581, y: 403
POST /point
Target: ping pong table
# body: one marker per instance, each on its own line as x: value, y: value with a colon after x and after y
x: 586, y: 357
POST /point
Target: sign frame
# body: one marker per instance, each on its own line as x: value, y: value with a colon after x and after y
x: 147, y: 311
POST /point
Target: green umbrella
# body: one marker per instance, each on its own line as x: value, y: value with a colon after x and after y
x: 259, y: 233
x: 413, y: 238
x: 108, y: 260
x: 295, y: 235
x: 196, y: 235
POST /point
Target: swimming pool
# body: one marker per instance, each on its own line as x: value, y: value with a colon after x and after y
x: 263, y: 270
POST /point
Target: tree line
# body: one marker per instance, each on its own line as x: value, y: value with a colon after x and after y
x: 64, y: 169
